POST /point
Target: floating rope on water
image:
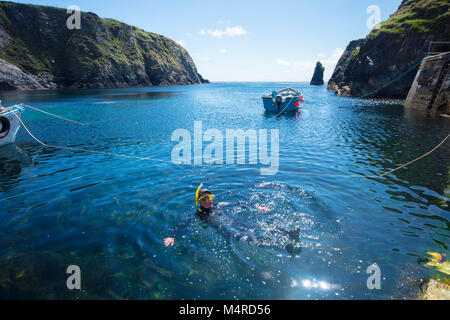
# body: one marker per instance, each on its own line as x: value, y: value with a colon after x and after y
x: 417, y: 159
x: 82, y: 150
x: 151, y: 158
x: 51, y: 114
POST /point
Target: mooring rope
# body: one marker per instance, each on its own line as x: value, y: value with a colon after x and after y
x: 391, y: 82
x: 151, y: 158
x: 63, y: 182
x: 373, y: 176
x: 281, y: 110
x: 417, y: 159
x: 83, y: 150
x: 51, y: 114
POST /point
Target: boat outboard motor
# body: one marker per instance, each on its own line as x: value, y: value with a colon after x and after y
x: 5, y: 126
x: 279, y: 102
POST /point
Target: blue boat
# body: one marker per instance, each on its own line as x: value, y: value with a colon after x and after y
x: 9, y: 123
x: 285, y: 100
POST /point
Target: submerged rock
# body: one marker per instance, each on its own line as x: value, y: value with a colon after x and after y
x: 317, y: 79
x: 437, y: 291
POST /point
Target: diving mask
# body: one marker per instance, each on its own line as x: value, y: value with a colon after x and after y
x: 209, y: 197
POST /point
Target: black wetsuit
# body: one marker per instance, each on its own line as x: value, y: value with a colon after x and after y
x: 237, y: 228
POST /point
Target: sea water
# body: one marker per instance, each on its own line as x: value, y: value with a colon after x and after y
x: 110, y: 214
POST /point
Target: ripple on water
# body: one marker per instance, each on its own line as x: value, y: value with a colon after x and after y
x: 111, y: 214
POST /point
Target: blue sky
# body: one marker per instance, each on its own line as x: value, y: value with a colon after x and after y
x: 249, y: 40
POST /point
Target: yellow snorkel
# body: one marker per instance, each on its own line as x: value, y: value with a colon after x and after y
x: 197, y: 193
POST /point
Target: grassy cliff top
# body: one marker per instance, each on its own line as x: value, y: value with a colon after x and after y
x: 422, y: 16
x: 39, y: 43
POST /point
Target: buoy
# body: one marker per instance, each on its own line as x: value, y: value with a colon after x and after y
x: 297, y: 104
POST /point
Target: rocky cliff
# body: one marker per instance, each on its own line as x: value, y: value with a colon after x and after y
x: 317, y: 79
x: 38, y: 51
x: 387, y: 52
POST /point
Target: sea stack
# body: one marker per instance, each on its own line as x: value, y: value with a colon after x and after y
x: 317, y: 79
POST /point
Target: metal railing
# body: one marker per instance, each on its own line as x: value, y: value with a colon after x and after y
x: 438, y: 47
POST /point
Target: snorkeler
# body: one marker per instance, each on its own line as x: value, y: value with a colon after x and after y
x: 212, y: 214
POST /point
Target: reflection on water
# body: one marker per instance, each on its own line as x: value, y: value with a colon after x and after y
x: 109, y: 215
x: 139, y: 96
x: 13, y: 160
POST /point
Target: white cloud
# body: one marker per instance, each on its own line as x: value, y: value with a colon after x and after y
x: 335, y: 56
x: 282, y: 62
x: 205, y: 58
x: 229, y: 31
x: 328, y: 62
x: 188, y: 34
x: 181, y: 42
x: 223, y: 51
x: 304, y: 64
x: 306, y: 68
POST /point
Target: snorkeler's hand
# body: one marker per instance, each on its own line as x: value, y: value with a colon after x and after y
x: 169, y: 242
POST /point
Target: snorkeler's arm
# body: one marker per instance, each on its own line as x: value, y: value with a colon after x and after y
x: 247, y: 206
x: 171, y: 241
x: 181, y: 226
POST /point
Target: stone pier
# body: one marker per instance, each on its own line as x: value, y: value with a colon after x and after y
x: 430, y: 91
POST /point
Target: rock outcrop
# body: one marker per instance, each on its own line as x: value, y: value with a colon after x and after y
x: 387, y: 52
x: 317, y: 79
x: 436, y: 290
x: 38, y: 51
x: 12, y: 78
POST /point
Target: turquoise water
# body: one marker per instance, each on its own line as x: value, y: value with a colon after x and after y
x: 109, y: 215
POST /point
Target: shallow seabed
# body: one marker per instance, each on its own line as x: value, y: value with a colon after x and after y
x: 109, y: 215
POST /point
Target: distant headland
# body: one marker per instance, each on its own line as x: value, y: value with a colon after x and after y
x: 39, y: 51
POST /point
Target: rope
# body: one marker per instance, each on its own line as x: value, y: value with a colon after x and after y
x: 281, y: 110
x: 83, y: 150
x: 61, y: 182
x: 51, y: 114
x: 299, y: 173
x: 421, y: 157
x: 152, y: 159
x: 389, y: 83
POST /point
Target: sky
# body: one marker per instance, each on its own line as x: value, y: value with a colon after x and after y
x: 250, y: 40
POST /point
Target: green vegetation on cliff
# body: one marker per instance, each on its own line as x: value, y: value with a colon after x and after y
x: 398, y: 45
x: 419, y: 15
x: 103, y: 53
